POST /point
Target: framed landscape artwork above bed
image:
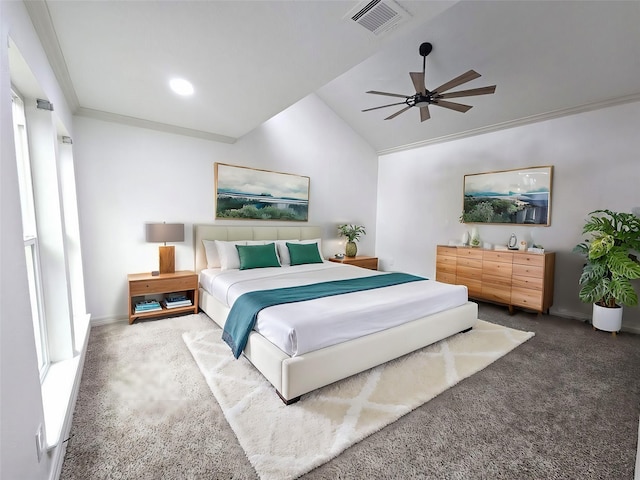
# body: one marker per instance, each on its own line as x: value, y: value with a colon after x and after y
x: 518, y: 197
x: 244, y: 193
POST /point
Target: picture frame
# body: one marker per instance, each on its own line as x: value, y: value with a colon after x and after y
x: 516, y: 197
x: 244, y: 193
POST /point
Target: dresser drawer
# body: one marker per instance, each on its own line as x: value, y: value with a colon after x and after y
x: 526, y: 298
x: 473, y: 253
x: 497, y: 256
x: 145, y: 287
x: 473, y: 286
x: 445, y: 250
x: 495, y: 293
x: 445, y: 267
x: 529, y: 259
x: 446, y: 260
x: 527, y: 271
x: 497, y: 269
x: 528, y: 282
x: 496, y: 281
x: 468, y: 272
x: 446, y: 277
x: 469, y: 262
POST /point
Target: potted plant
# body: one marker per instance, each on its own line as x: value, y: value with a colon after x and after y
x: 352, y: 232
x: 612, y: 263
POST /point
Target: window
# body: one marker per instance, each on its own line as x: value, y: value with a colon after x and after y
x: 31, y: 247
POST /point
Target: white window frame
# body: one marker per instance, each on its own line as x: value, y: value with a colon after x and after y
x: 31, y: 243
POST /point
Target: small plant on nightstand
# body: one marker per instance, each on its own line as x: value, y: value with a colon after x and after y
x: 352, y: 232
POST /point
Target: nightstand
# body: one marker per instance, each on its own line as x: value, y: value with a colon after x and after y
x: 143, y: 284
x: 365, y: 262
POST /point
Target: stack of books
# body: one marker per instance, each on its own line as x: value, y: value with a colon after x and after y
x: 147, y: 306
x: 175, y: 300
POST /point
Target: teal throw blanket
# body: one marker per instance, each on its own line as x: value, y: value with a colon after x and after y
x: 243, y: 314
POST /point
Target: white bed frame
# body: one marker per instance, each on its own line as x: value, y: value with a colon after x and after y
x: 295, y: 376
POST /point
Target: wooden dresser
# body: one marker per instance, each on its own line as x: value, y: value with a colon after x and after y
x: 507, y: 277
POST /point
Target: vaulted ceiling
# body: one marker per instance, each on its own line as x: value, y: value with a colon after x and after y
x: 249, y: 60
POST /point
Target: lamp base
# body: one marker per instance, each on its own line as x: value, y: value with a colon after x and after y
x: 167, y: 259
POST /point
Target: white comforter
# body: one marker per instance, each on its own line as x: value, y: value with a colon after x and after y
x: 301, y: 327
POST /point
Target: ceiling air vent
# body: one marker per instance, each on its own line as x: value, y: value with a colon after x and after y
x: 378, y: 16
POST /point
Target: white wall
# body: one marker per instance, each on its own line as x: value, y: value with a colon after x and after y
x: 596, y: 166
x: 127, y: 176
x: 21, y: 400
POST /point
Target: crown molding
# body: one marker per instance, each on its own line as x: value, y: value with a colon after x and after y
x: 41, y: 18
x: 516, y: 123
x: 151, y: 125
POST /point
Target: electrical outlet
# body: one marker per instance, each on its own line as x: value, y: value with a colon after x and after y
x: 40, y: 446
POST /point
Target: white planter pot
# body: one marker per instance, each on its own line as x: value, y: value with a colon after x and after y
x: 607, y: 319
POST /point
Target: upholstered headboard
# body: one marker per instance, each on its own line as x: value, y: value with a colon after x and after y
x: 231, y: 233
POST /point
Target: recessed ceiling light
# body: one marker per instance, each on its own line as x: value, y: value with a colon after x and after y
x: 181, y: 86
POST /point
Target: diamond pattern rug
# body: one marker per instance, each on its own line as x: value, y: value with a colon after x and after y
x: 284, y: 442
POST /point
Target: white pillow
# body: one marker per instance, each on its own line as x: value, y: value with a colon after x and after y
x: 210, y: 250
x: 283, y: 251
x: 228, y: 254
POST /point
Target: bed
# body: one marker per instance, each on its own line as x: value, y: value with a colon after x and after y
x: 293, y: 375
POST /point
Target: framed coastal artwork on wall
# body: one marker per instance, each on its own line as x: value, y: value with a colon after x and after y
x: 516, y: 197
x: 243, y: 193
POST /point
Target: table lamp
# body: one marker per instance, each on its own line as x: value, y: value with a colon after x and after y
x: 163, y: 233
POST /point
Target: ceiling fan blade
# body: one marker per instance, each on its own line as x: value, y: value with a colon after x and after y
x: 418, y: 82
x: 398, y: 113
x: 384, y: 106
x: 424, y: 113
x: 464, y: 78
x: 471, y: 92
x: 458, y: 107
x: 387, y: 94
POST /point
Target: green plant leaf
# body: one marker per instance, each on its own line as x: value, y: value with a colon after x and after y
x: 600, y: 246
x: 593, y: 291
x: 622, y: 265
x: 623, y: 292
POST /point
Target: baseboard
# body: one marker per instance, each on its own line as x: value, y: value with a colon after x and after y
x: 587, y: 318
x: 96, y: 322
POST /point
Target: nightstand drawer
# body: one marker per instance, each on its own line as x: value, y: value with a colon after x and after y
x: 364, y: 262
x: 145, y: 287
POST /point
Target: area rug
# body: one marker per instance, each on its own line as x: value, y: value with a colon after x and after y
x: 284, y: 442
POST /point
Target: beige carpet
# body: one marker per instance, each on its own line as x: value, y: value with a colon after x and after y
x: 284, y: 442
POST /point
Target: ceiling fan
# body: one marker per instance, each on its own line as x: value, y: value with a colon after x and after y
x: 423, y: 97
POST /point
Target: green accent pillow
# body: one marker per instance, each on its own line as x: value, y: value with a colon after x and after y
x: 257, y: 256
x: 302, y: 253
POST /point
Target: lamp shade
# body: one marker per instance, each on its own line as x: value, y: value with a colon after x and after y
x: 165, y: 232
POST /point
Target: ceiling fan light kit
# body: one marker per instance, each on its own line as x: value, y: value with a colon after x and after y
x: 423, y: 97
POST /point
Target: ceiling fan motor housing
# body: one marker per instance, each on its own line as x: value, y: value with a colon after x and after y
x: 425, y: 49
